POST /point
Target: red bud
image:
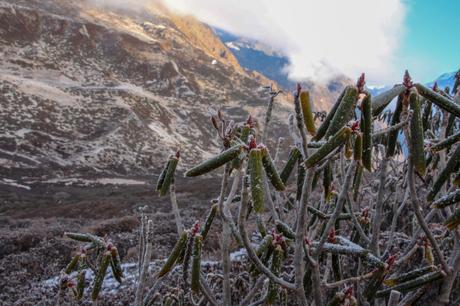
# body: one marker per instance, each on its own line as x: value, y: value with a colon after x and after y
x: 250, y: 122
x: 348, y: 292
x: 361, y: 82
x: 331, y: 236
x: 365, y: 212
x: 355, y: 126
x: 195, y: 228
x: 391, y: 260
x: 407, y: 80
x: 426, y: 243
x: 71, y: 283
x: 277, y: 238
x: 252, y: 142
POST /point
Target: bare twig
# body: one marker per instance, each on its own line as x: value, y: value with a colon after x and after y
x: 339, y: 206
x: 299, y: 264
x: 416, y: 208
x: 268, y: 113
x: 349, y: 280
x: 356, y: 223
x: 390, y: 129
x: 145, y: 264
x: 377, y: 218
x: 257, y: 286
x: 175, y: 208
x: 251, y: 253
x: 227, y: 296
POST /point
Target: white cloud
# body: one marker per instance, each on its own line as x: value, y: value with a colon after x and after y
x: 321, y: 37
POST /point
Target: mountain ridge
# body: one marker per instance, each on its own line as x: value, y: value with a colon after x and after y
x: 88, y: 91
x: 97, y: 91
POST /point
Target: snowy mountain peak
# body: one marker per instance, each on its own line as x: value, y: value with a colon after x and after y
x: 445, y: 80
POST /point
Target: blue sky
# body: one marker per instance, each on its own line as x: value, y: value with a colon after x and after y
x: 431, y: 43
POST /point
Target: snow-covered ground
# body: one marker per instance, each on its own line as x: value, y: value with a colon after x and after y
x: 88, y: 182
x: 131, y: 273
x: 74, y: 181
x: 13, y: 183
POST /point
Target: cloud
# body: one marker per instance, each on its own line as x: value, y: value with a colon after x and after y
x: 321, y: 38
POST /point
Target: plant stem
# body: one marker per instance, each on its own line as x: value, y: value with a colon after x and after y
x: 145, y: 264
x: 227, y: 297
x: 377, y: 220
x: 299, y: 263
x: 349, y: 280
x: 416, y: 207
x: 339, y: 207
x: 175, y: 208
x: 247, y: 244
x: 258, y: 284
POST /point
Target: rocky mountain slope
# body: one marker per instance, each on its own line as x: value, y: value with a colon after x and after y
x: 88, y: 90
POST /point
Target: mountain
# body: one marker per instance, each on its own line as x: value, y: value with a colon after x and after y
x: 445, y: 80
x: 93, y: 90
x: 257, y: 56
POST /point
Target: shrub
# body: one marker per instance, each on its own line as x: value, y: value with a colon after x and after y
x: 360, y: 242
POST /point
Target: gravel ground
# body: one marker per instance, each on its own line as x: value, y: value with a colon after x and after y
x: 33, y: 249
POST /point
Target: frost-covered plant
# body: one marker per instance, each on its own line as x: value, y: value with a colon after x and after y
x: 97, y: 254
x: 355, y: 242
